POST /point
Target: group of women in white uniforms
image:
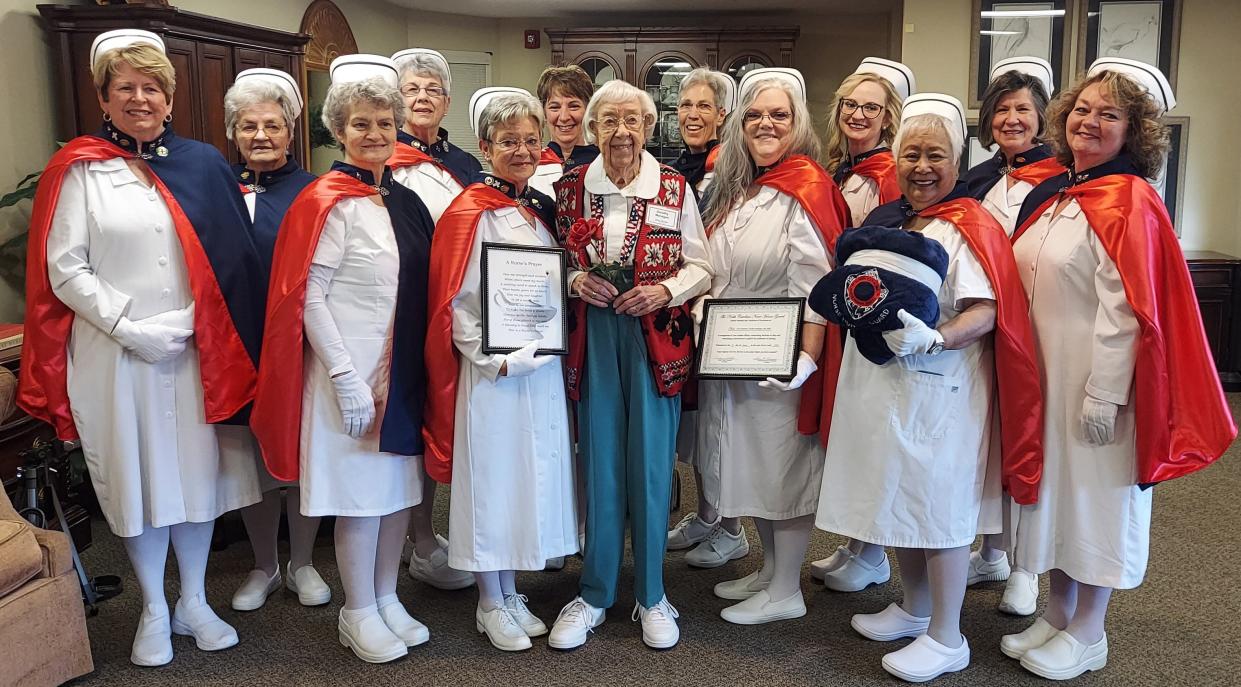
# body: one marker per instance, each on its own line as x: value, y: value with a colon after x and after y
x: 374, y: 290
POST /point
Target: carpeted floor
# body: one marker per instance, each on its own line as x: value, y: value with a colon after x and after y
x: 1179, y: 628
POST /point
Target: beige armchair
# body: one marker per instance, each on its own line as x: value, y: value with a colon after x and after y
x: 42, y: 622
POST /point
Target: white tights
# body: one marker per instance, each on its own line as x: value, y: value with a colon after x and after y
x: 934, y: 585
x: 368, y: 554
x: 493, y: 586
x: 1077, y: 607
x: 263, y: 524
x: 784, y: 551
x: 148, y: 553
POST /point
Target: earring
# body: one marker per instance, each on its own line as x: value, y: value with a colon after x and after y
x: 168, y: 118
x: 107, y: 117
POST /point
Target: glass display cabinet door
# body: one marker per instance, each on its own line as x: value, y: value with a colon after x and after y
x: 740, y: 65
x: 599, y: 70
x: 663, y: 83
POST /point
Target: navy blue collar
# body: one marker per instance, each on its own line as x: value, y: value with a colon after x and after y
x: 536, y: 202
x: 435, y: 150
x: 383, y: 188
x: 582, y: 155
x: 258, y: 182
x: 1121, y: 164
x: 897, y: 212
x: 847, y: 166
x: 157, y: 148
x: 983, y: 176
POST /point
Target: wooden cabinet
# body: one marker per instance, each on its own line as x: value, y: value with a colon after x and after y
x: 656, y: 58
x: 206, y: 52
x: 1217, y: 284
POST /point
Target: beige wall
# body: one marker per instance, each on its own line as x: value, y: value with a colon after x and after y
x: 938, y: 47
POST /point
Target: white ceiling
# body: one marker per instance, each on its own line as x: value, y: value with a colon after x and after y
x: 585, y: 8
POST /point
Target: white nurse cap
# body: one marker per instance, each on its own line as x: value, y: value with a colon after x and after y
x: 1036, y: 67
x: 940, y: 104
x: 1150, y: 78
x: 123, y: 38
x: 483, y: 97
x: 895, y: 73
x: 360, y: 67
x: 282, y: 80
x: 787, y: 74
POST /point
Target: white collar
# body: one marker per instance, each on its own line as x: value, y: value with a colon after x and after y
x: 646, y: 185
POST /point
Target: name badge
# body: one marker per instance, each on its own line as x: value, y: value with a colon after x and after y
x: 662, y: 216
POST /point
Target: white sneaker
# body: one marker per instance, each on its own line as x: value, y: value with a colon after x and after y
x: 434, y: 569
x: 501, y: 629
x: 742, y: 589
x: 856, y: 574
x: 718, y: 548
x: 369, y: 636
x: 983, y: 570
x: 925, y: 659
x: 690, y: 531
x: 402, y: 624
x: 194, y: 618
x: 153, y: 640
x: 1021, y: 593
x: 516, y: 605
x: 659, y: 624
x: 759, y: 609
x: 574, y: 624
x: 822, y: 567
x: 309, y: 587
x: 253, y: 593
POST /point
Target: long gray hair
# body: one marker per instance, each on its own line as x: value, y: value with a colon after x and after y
x: 735, y: 171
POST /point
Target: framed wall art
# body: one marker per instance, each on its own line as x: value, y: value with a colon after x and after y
x: 1017, y: 28
x: 1144, y: 30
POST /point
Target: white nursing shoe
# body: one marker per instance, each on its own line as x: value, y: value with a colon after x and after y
x: 193, y: 617
x: 153, y: 640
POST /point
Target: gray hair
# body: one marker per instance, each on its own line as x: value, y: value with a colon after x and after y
x: 426, y: 66
x: 616, y: 92
x: 931, y: 123
x: 716, y: 81
x: 249, y: 93
x: 342, y: 97
x: 507, y: 108
x: 735, y: 170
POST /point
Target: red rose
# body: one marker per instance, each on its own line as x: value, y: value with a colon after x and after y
x: 582, y: 232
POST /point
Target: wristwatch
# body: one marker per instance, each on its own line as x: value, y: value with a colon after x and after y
x: 936, y: 348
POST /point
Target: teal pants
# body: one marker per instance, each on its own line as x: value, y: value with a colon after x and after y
x: 628, y: 439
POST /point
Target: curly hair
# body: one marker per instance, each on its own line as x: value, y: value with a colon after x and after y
x: 1002, y: 85
x: 250, y: 93
x: 837, y: 145
x: 342, y: 97
x: 572, y: 81
x: 1146, y: 138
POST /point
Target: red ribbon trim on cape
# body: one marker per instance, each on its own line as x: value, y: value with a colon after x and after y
x: 227, y: 373
x: 1017, y: 375
x: 803, y: 179
x: 711, y: 158
x: 450, y: 254
x: 277, y: 415
x: 1183, y: 421
x: 405, y: 155
x: 549, y: 157
x: 1036, y: 173
x: 881, y: 169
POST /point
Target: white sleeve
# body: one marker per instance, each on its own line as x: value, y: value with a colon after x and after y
x: 467, y: 313
x: 69, y: 269
x: 321, y: 331
x: 808, y: 259
x: 1113, y: 351
x: 966, y: 279
x: 694, y: 277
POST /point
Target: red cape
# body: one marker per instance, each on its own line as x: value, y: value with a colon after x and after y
x: 880, y: 168
x: 450, y: 255
x: 1016, y: 361
x: 404, y: 155
x: 807, y: 182
x: 711, y: 158
x: 1183, y: 421
x: 277, y: 415
x: 227, y: 373
x: 1036, y: 173
x: 549, y: 157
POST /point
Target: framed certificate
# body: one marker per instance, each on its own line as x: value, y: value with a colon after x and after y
x: 524, y: 298
x: 749, y: 338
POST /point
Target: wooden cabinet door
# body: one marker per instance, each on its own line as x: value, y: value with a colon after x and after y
x: 215, y: 75
x: 183, y: 54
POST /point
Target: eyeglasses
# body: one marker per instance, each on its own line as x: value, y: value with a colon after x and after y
x: 777, y: 117
x: 869, y: 110
x: 509, y: 145
x: 412, y: 91
x: 271, y: 129
x: 632, y: 122
x: 703, y: 107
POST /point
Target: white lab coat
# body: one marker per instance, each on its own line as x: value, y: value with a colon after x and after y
x: 1091, y: 520
x: 910, y: 439
x: 512, y: 477
x: 861, y: 195
x: 1004, y: 202
x: 341, y: 475
x: 113, y: 251
x: 544, y: 176
x: 753, y: 460
x: 435, y: 186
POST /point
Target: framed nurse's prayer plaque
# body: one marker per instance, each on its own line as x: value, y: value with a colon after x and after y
x: 749, y: 338
x: 525, y: 294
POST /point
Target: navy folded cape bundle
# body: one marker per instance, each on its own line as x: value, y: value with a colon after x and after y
x: 881, y: 270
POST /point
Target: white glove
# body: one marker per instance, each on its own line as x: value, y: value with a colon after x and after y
x: 153, y: 342
x: 805, y: 367
x: 181, y: 319
x: 1098, y: 421
x: 357, y: 403
x: 523, y: 361
x: 915, y: 338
